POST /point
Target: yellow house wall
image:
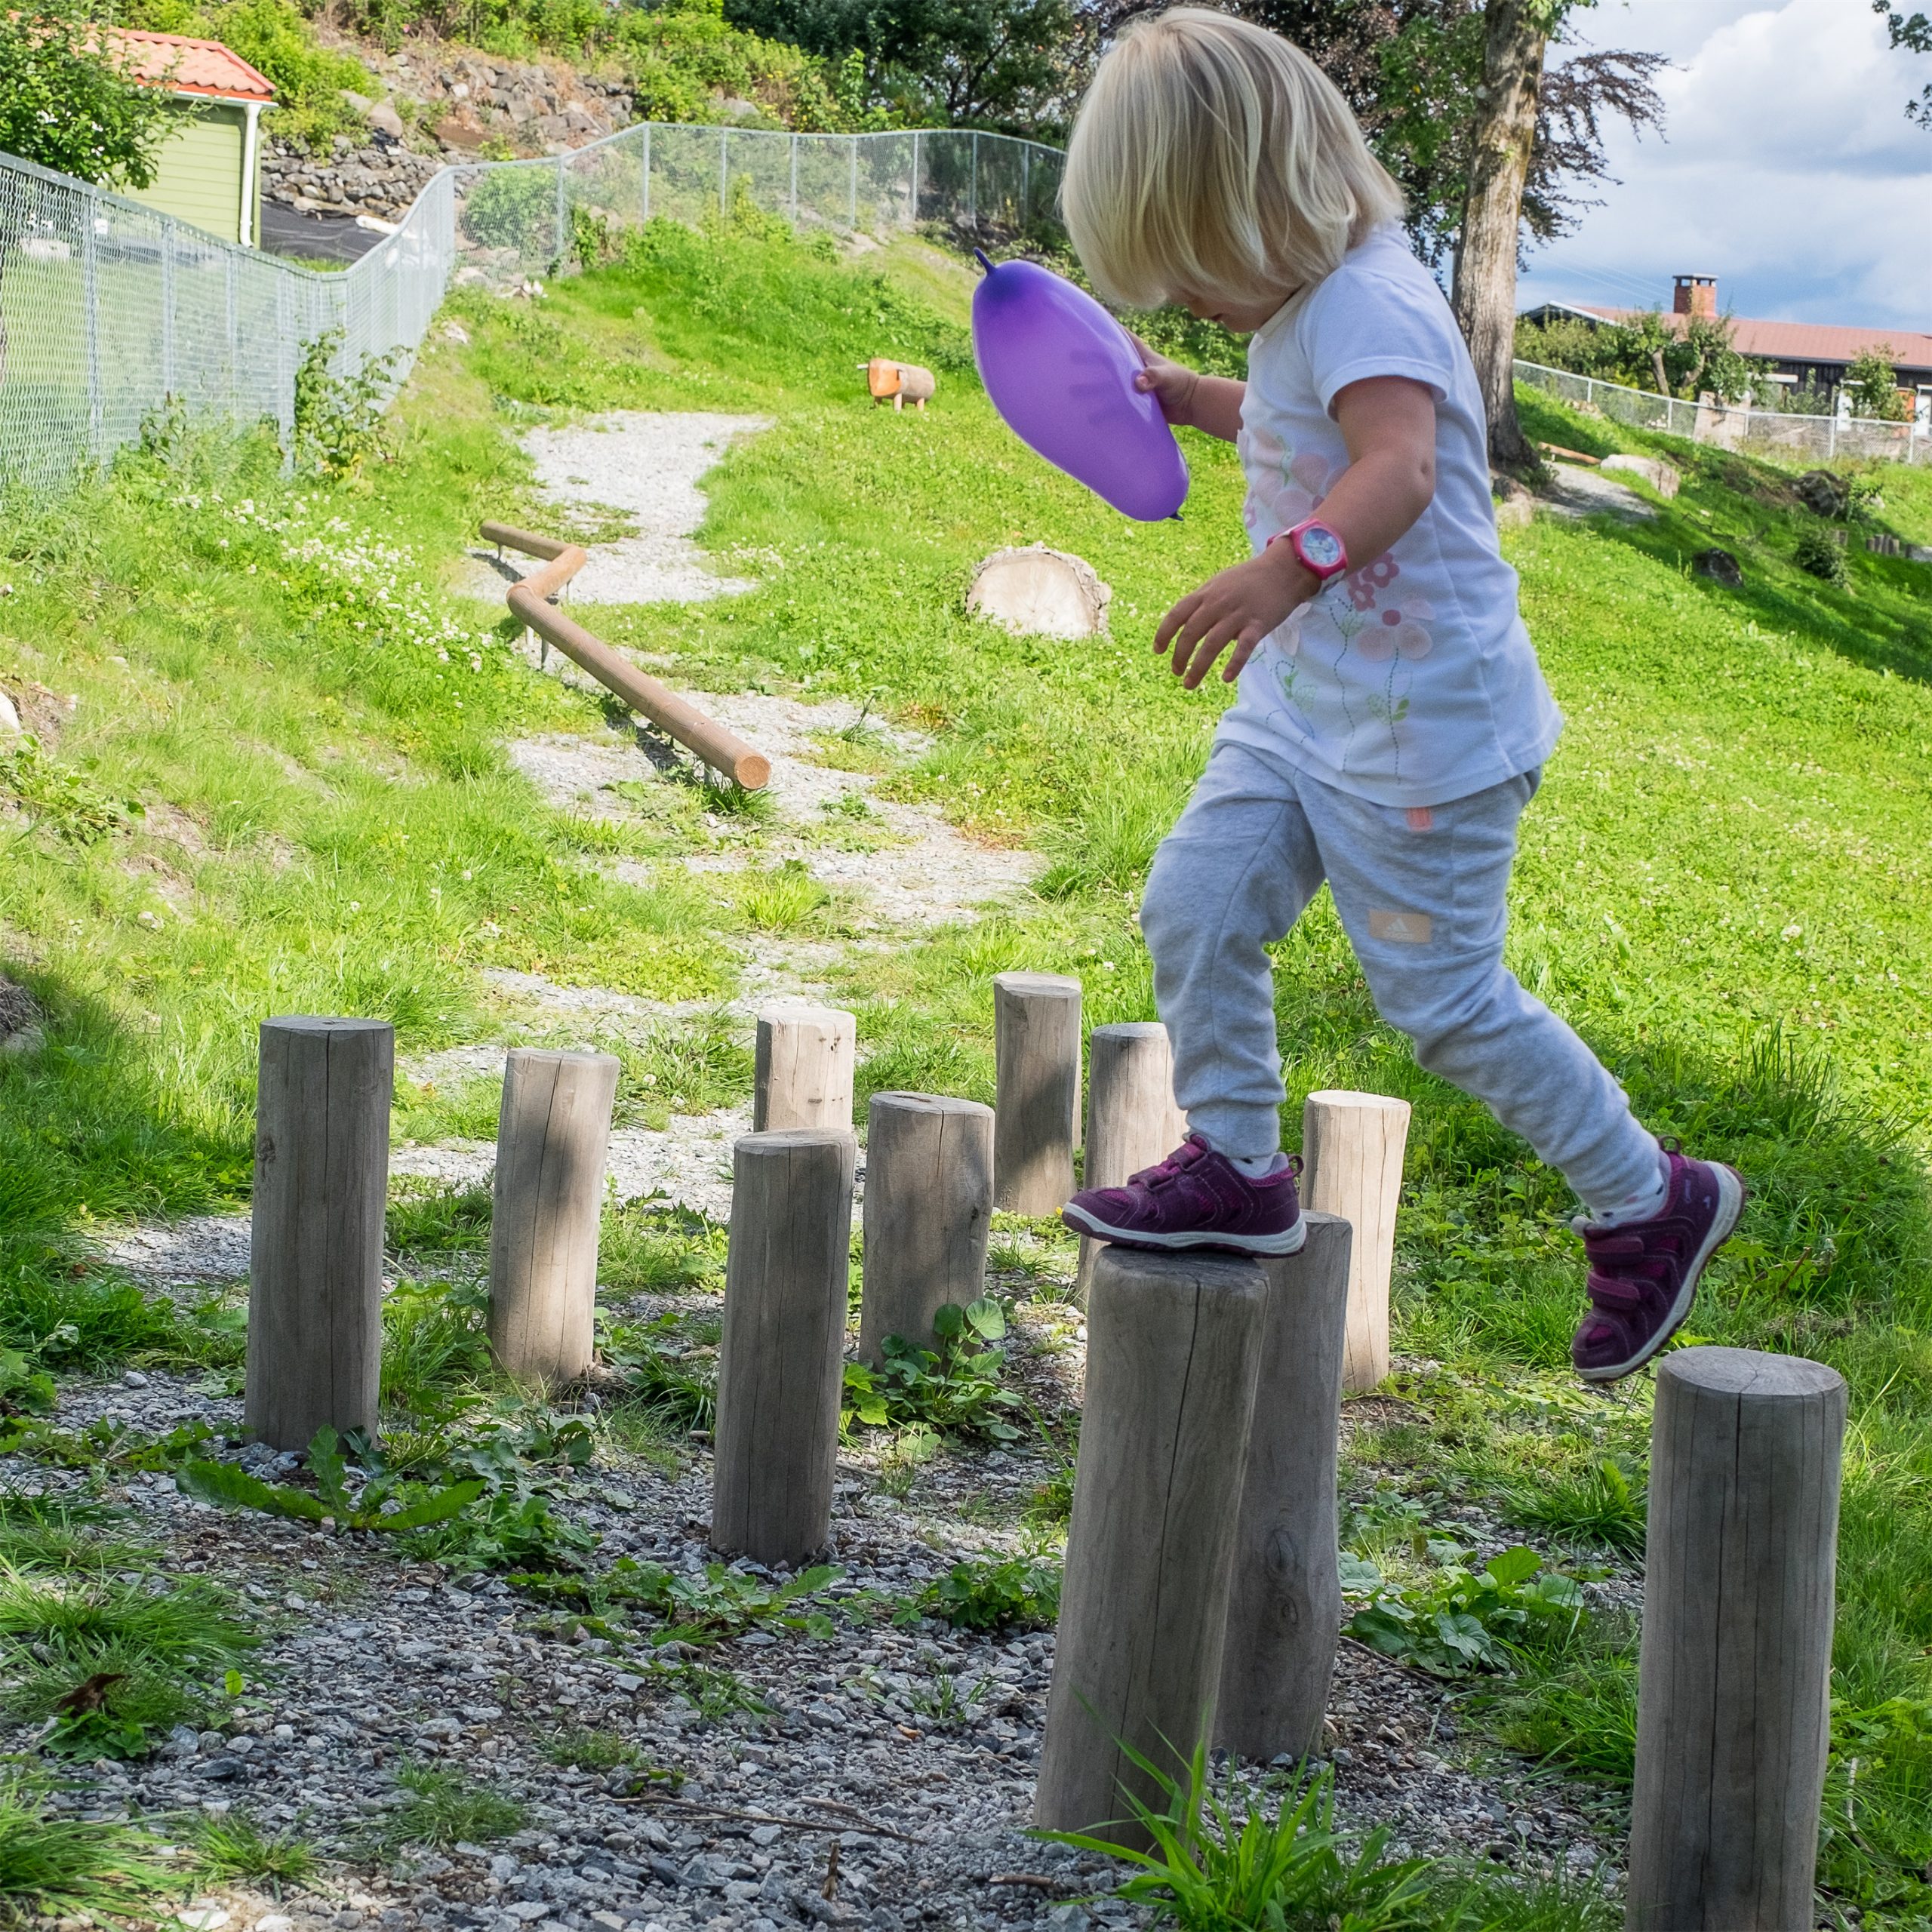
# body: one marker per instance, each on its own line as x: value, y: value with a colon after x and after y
x: 199, y: 178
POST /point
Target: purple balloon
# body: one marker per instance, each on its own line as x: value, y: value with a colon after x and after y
x: 1060, y: 370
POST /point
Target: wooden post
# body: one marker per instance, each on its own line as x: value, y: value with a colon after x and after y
x: 553, y: 1131
x: 1174, y: 1342
x: 1132, y: 1121
x: 1284, y: 1608
x: 1352, y: 1147
x: 780, y: 1364
x: 1036, y: 1046
x: 802, y: 1069
x: 1733, y: 1683
x: 315, y: 1253
x: 929, y: 1204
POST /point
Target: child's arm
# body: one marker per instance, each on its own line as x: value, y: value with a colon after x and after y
x: 1388, y: 424
x: 1211, y: 404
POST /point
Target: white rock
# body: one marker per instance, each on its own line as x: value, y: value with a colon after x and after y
x: 1663, y: 477
x: 10, y: 717
x: 1035, y: 591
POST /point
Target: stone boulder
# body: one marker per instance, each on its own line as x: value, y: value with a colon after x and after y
x: 1821, y: 492
x: 1035, y: 591
x: 1721, y: 567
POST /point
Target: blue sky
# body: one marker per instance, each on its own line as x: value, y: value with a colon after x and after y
x: 1786, y: 168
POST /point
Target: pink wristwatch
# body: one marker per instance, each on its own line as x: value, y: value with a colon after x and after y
x: 1318, y: 546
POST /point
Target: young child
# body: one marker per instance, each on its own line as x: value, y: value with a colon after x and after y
x: 1392, y: 722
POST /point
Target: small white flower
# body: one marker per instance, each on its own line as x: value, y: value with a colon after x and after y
x: 1794, y: 932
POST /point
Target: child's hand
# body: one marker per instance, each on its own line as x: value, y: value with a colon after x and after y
x: 1240, y: 606
x: 1171, y: 384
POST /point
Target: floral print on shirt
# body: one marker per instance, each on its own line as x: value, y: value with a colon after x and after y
x: 1363, y: 613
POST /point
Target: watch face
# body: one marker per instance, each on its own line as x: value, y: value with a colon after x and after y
x: 1320, y: 549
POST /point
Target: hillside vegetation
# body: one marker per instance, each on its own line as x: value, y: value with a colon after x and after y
x: 281, y: 785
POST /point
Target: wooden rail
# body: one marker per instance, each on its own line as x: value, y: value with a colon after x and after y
x: 724, y: 751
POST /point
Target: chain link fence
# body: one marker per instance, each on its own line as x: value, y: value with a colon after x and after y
x: 111, y: 313
x: 1810, y: 440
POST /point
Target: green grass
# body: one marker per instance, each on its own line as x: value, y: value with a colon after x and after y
x: 51, y: 1866
x: 234, y: 1848
x: 1723, y: 883
x: 442, y: 1808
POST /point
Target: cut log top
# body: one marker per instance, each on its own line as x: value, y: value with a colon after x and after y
x: 1745, y: 1373
x: 1205, y: 1270
x: 306, y: 1023
x: 1361, y: 1103
x: 777, y: 1142
x: 1028, y: 984
x: 930, y: 1103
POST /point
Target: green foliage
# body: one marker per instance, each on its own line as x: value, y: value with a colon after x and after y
x: 54, y: 795
x: 513, y: 207
x: 1575, y: 1706
x: 579, y: 1747
x: 1679, y: 355
x: 1875, y: 1847
x: 953, y: 1389
x: 649, y: 1247
x: 661, y: 1378
x: 228, y: 1486
x: 1603, y: 1505
x: 709, y: 1605
x: 104, y: 1665
x: 435, y: 1350
x: 66, y: 102
x: 993, y: 1593
x: 715, y: 1694
x: 1873, y: 385
x: 506, y: 1530
x: 1817, y: 552
x: 1460, y: 1620
x: 234, y: 1848
x: 433, y: 1220
x: 52, y: 1866
x: 442, y: 1808
x: 1215, y: 1866
x: 339, y: 423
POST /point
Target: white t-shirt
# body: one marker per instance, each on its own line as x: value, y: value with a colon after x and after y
x: 1410, y: 680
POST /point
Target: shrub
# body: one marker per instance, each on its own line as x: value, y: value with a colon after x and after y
x: 1873, y: 385
x: 339, y: 423
x: 1816, y: 551
x: 66, y: 103
x: 513, y: 208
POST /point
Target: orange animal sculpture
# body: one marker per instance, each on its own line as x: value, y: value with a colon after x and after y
x: 903, y: 382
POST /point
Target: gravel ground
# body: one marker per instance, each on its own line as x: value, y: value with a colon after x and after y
x: 372, y: 1662
x: 644, y: 465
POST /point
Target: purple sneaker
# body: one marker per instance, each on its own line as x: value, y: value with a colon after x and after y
x: 1643, y: 1274
x: 1195, y: 1199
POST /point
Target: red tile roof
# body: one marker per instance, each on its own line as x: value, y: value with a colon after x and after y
x: 1803, y: 341
x: 182, y: 66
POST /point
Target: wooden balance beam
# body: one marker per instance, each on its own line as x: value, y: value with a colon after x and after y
x: 530, y: 600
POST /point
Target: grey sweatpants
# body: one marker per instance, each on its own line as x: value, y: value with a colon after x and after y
x: 1422, y: 897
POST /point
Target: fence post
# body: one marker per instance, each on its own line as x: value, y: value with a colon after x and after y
x: 558, y: 251
x: 1132, y: 1121
x: 647, y: 171
x: 801, y: 1074
x: 1284, y: 1606
x: 1351, y: 1146
x: 552, y: 1133
x: 1173, y: 1343
x: 1036, y: 1050
x: 929, y: 1204
x: 1026, y: 187
x: 1734, y: 1677
x: 913, y: 221
x: 795, y: 180
x: 316, y: 1241
x: 972, y: 191
x: 779, y: 1363
x: 167, y: 308
x: 724, y: 169
x: 852, y: 212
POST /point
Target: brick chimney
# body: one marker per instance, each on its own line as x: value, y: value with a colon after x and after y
x: 1694, y: 295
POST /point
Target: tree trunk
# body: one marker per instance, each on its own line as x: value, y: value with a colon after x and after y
x: 1514, y: 34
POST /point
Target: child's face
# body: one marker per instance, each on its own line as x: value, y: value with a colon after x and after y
x: 1243, y: 317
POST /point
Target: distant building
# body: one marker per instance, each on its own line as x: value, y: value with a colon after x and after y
x: 210, y: 172
x: 1818, y: 353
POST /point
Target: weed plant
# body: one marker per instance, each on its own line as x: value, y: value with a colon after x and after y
x: 52, y: 1866
x: 1605, y: 1505
x: 582, y: 1748
x: 953, y: 1389
x: 235, y: 1848
x: 996, y: 1593
x: 441, y: 1808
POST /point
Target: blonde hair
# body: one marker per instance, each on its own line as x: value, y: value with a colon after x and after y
x: 1212, y: 157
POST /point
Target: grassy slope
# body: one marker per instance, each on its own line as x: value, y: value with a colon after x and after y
x: 1723, y: 881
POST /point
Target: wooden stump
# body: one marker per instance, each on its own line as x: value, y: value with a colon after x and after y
x: 1733, y: 1720
x: 1284, y: 1608
x: 1352, y: 1147
x: 553, y: 1132
x: 1036, y: 1045
x: 780, y: 1365
x: 1132, y: 1121
x: 315, y: 1252
x: 929, y: 1203
x: 802, y: 1069
x: 1174, y: 1342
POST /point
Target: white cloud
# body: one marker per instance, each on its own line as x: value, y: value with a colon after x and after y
x: 1788, y: 169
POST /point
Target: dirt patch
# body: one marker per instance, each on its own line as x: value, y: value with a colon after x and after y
x: 641, y: 465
